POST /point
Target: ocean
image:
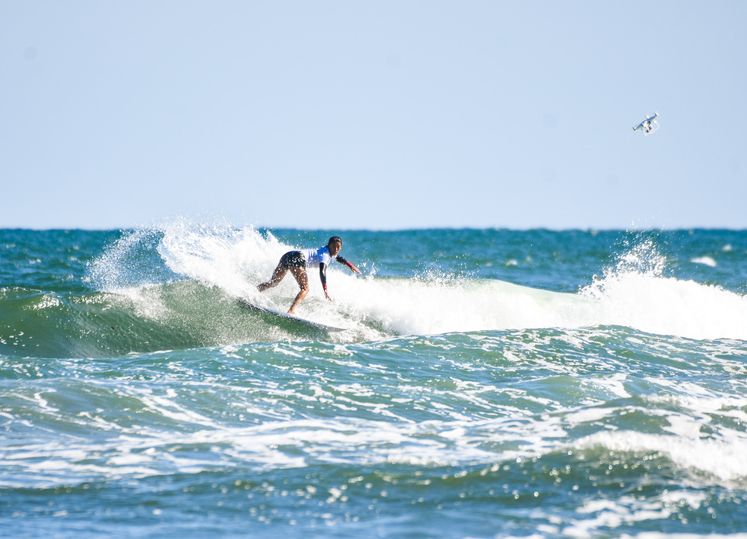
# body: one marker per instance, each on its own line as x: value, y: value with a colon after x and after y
x: 488, y: 383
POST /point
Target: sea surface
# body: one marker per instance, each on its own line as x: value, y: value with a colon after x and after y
x: 488, y: 383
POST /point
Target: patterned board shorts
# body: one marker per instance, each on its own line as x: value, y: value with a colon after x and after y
x: 293, y: 259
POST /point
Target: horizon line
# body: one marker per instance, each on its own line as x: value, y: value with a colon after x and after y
x: 404, y: 229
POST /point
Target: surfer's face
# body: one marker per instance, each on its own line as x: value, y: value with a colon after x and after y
x: 334, y: 248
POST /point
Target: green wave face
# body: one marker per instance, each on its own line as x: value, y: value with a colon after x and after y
x: 175, y: 316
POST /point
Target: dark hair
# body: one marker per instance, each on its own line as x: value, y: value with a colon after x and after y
x: 335, y: 239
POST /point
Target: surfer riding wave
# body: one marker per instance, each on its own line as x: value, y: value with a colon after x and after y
x: 297, y: 261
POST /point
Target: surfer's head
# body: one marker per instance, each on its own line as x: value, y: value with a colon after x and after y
x: 334, y: 245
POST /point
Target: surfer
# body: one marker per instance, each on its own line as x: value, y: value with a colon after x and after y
x: 297, y: 261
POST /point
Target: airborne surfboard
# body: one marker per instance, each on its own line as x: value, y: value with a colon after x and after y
x: 649, y: 125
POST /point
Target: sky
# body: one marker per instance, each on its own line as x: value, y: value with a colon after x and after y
x: 374, y: 115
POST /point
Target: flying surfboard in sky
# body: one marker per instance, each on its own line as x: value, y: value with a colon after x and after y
x: 649, y: 125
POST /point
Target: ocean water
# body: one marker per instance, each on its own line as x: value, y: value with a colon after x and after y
x: 489, y: 383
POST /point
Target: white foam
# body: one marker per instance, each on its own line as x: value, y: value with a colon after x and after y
x: 232, y: 259
x: 705, y: 260
x: 588, y: 415
x: 721, y: 459
x: 614, y: 384
x: 47, y: 301
x: 595, y: 514
x: 636, y: 294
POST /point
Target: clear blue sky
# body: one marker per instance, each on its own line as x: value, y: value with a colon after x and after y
x: 373, y: 115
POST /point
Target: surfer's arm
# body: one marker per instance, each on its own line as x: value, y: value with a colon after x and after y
x: 349, y: 264
x: 323, y: 278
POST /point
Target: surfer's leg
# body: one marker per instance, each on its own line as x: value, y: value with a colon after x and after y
x: 290, y: 260
x: 303, y: 281
x: 277, y: 276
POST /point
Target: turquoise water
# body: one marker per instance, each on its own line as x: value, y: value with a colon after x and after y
x: 488, y: 383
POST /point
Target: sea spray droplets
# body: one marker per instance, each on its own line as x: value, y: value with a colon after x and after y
x: 130, y: 261
x: 636, y: 293
x: 215, y: 255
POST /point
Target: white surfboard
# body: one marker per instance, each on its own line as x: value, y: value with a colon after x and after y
x: 649, y: 125
x: 280, y: 314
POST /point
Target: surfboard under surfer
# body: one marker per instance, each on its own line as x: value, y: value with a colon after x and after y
x: 297, y: 261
